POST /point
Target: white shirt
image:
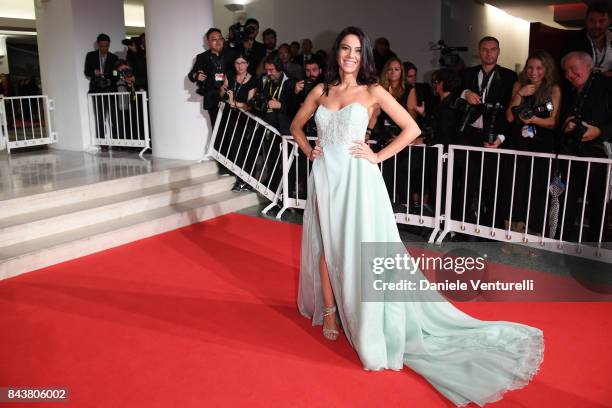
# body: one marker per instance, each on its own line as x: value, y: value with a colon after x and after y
x: 478, y: 123
x: 602, y: 59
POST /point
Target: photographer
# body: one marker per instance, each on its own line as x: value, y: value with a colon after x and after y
x: 136, y: 59
x: 238, y: 90
x: 586, y: 122
x: 127, y: 120
x: 209, y: 72
x: 314, y: 76
x: 274, y: 103
x: 99, y: 67
x: 487, y: 91
x: 533, y: 113
x: 252, y: 49
x: 274, y: 93
x: 420, y: 95
x: 444, y: 119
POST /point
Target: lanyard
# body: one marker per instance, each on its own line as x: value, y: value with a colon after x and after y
x: 483, y: 87
x: 273, y: 93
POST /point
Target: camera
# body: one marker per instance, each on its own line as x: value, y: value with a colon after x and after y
x: 201, y: 88
x: 125, y: 73
x: 101, y: 82
x: 489, y: 118
x: 469, y: 113
x: 448, y: 55
x: 259, y: 103
x: 309, y: 84
x: 526, y: 112
x: 240, y: 33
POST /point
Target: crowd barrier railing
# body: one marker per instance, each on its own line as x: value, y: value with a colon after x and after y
x: 26, y: 121
x: 250, y: 148
x: 502, y: 195
x: 549, y: 193
x: 120, y: 119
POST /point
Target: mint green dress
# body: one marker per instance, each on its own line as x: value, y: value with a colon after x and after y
x: 465, y: 359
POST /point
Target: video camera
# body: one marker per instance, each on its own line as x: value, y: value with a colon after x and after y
x: 448, y: 55
x: 240, y: 33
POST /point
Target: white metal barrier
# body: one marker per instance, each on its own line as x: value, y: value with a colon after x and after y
x: 250, y: 148
x: 26, y: 121
x: 296, y: 168
x: 541, y: 181
x: 246, y: 145
x: 120, y: 119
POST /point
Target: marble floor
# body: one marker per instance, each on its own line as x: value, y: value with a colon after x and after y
x: 41, y: 170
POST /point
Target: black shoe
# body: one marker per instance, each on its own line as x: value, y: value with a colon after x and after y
x: 237, y: 187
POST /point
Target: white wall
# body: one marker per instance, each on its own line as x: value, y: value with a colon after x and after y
x: 464, y: 22
x: 410, y: 25
x: 179, y: 127
x: 4, y: 66
x: 67, y: 30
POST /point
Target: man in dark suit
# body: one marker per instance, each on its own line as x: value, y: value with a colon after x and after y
x: 209, y: 72
x: 99, y: 66
x: 595, y: 39
x: 253, y: 50
x: 306, y: 54
x: 490, y: 84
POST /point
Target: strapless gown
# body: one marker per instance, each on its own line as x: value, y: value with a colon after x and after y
x: 465, y: 359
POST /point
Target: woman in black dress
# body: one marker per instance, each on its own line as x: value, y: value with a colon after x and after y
x: 537, y: 86
x: 238, y: 89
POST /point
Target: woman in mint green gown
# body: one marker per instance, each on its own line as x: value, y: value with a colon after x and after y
x: 465, y: 359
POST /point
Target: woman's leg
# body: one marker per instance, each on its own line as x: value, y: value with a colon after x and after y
x: 329, y: 321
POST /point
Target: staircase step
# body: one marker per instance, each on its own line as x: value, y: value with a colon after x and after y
x: 37, y: 224
x: 59, y: 198
x: 42, y: 252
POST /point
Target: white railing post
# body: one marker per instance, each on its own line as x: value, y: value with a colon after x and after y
x: 145, y: 122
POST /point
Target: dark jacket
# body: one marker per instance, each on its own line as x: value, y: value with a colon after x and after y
x: 92, y: 62
x: 579, y: 42
x: 596, y: 110
x: 280, y: 118
x: 499, y: 91
x: 445, y: 119
x: 255, y: 55
x: 215, y: 68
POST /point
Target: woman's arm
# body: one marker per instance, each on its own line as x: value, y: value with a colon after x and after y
x: 515, y: 101
x: 307, y: 109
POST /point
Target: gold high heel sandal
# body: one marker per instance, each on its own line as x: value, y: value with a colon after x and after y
x: 329, y: 334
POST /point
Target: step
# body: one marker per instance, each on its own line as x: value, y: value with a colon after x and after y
x: 37, y: 224
x: 39, y: 253
x: 58, y: 198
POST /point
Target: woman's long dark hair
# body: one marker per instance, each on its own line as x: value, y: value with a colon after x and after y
x: 367, y: 69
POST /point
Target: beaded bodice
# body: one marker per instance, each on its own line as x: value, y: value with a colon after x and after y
x: 341, y: 126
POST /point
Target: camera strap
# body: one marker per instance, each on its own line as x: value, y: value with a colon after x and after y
x: 483, y: 87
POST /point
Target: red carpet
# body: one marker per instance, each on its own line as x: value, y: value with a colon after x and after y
x: 206, y: 316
